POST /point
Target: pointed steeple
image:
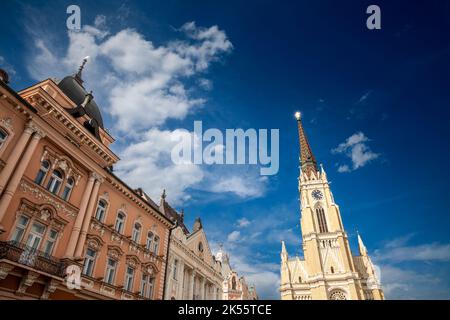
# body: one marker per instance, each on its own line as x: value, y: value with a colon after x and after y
x: 361, y: 246
x: 284, y: 253
x: 307, y: 160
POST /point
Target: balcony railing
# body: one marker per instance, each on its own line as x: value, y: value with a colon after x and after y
x: 25, y: 255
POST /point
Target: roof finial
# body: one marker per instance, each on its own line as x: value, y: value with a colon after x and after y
x: 80, y: 69
x: 163, y: 196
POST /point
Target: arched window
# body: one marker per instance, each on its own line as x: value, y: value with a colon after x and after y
x: 156, y: 245
x: 136, y: 232
x: 68, y: 188
x: 149, y: 242
x: 332, y: 270
x: 101, y: 210
x: 120, y: 222
x: 200, y: 247
x: 321, y: 220
x: 3, y: 137
x: 233, y: 283
x: 45, y: 165
x: 54, y: 184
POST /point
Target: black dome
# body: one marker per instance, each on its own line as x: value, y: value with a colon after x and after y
x: 72, y: 89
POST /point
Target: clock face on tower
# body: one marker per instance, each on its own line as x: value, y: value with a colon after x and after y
x: 317, y: 194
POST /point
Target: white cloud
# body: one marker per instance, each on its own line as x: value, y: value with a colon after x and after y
x: 422, y: 252
x: 205, y: 84
x: 402, y: 283
x: 7, y: 67
x: 148, y: 164
x: 344, y: 168
x: 243, y: 186
x: 144, y: 84
x: 413, y: 271
x: 356, y: 148
x: 364, y: 97
x: 234, y: 236
x: 243, y: 222
x: 141, y: 85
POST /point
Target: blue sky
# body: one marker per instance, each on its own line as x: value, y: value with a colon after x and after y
x: 382, y: 96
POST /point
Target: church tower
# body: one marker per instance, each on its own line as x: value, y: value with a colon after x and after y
x: 328, y: 269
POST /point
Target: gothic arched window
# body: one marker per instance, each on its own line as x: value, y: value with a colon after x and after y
x: 321, y: 220
x: 233, y: 283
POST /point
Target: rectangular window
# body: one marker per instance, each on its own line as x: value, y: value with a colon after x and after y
x: 144, y: 285
x: 50, y: 244
x: 110, y: 271
x: 35, y: 236
x: 151, y: 287
x: 22, y: 223
x: 89, y: 262
x: 129, y: 277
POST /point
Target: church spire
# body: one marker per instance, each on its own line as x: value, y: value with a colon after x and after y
x: 307, y: 161
x: 361, y: 246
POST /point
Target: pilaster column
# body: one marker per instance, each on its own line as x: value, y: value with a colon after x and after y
x: 17, y: 175
x: 88, y: 215
x: 70, y: 250
x: 11, y: 162
x: 202, y: 288
x: 192, y: 283
x: 180, y: 282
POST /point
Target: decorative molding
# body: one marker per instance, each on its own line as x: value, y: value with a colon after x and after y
x: 27, y: 281
x: 97, y: 226
x: 50, y: 287
x: 5, y: 268
x: 39, y: 194
x: 114, y: 252
x: 7, y: 123
x: 94, y: 242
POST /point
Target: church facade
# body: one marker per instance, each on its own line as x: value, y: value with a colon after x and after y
x: 329, y: 270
